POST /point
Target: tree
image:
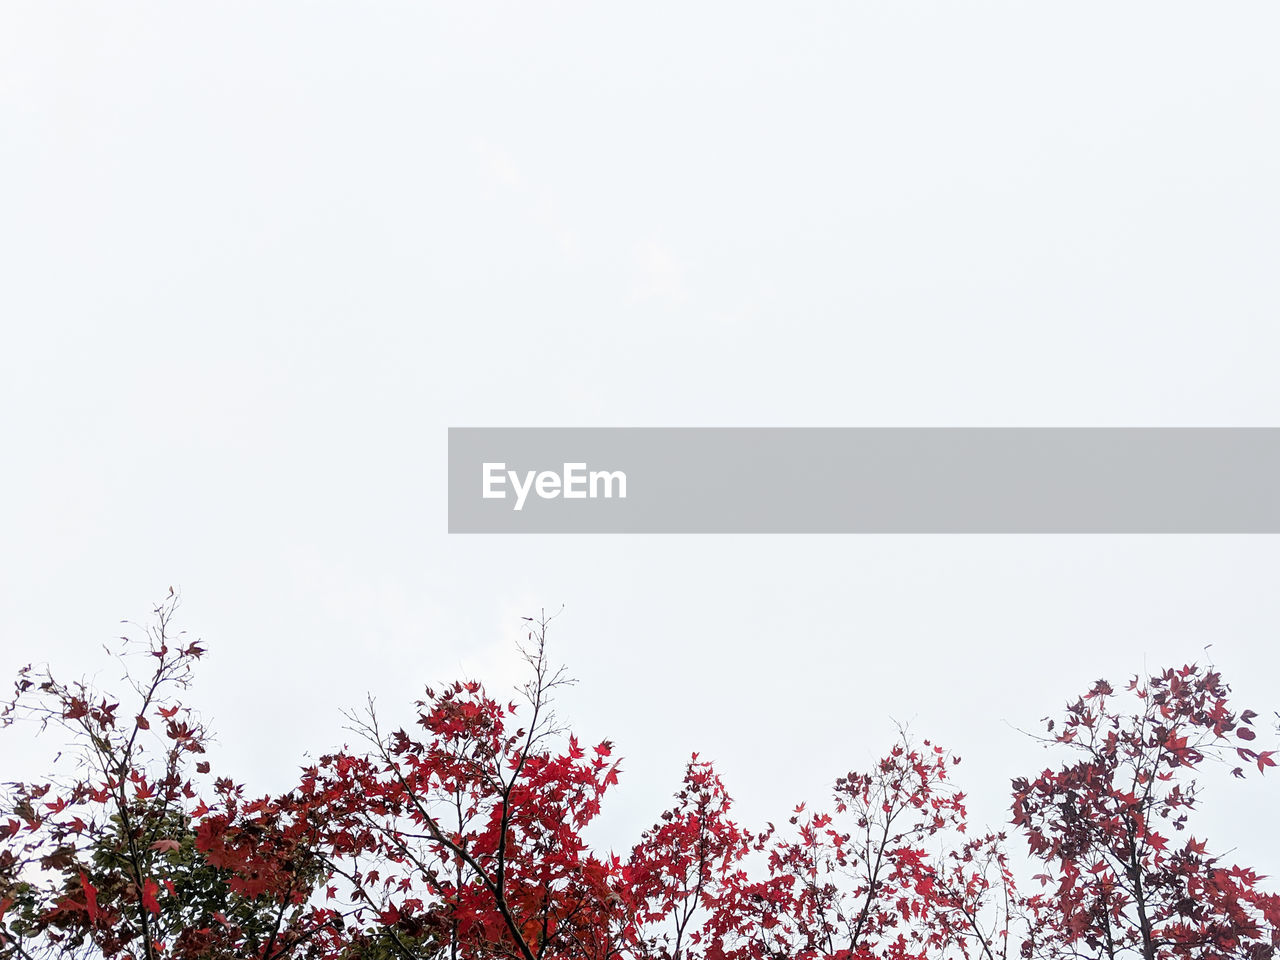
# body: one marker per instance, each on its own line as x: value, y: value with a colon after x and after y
x: 464, y: 837
x: 102, y: 860
x: 1117, y: 881
x: 888, y: 873
x: 465, y: 840
x: 682, y: 880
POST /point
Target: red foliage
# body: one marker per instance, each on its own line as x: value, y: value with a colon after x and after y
x: 1117, y: 877
x: 463, y: 837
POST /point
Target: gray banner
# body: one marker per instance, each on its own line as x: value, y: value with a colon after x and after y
x: 821, y: 480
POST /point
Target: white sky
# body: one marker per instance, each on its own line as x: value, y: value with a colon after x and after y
x: 256, y: 258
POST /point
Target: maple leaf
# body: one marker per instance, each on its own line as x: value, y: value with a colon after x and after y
x: 90, y: 897
x: 149, y: 890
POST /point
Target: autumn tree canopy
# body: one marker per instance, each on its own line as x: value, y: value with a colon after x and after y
x: 463, y: 838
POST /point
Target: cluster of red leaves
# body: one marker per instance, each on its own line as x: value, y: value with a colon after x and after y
x: 888, y: 872
x: 464, y: 837
x: 118, y: 855
x: 468, y: 838
x: 1117, y: 878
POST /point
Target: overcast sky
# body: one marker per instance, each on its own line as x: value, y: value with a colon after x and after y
x: 256, y: 258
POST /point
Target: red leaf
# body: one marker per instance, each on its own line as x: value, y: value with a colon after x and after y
x: 90, y: 897
x: 149, y: 890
